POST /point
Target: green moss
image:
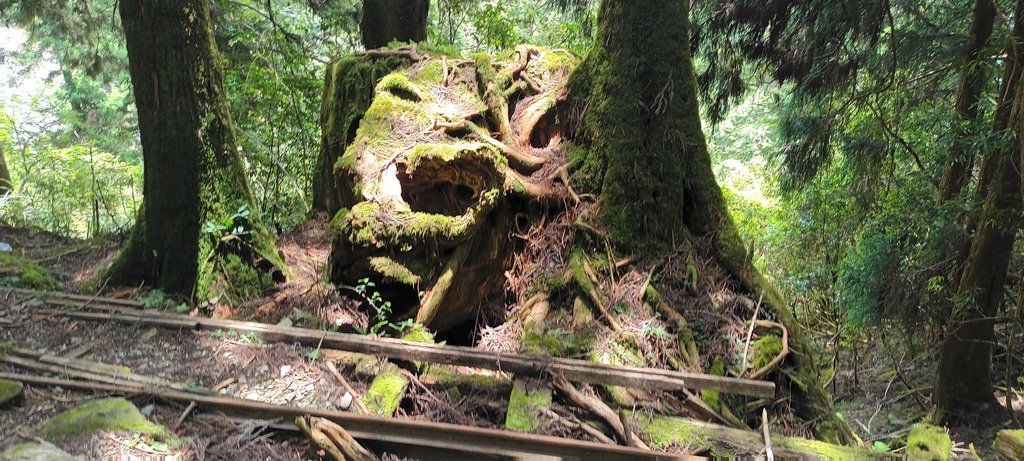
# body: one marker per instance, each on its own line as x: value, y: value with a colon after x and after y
x: 37, y: 451
x: 23, y: 273
x: 556, y: 342
x: 524, y: 407
x: 399, y: 85
x: 418, y: 334
x: 378, y: 123
x: 557, y: 61
x: 392, y: 270
x: 713, y: 398
x: 430, y: 73
x: 664, y: 432
x: 764, y: 350
x: 9, y: 390
x: 443, y: 154
x: 109, y: 414
x: 928, y: 443
x: 386, y: 391
x: 1009, y: 444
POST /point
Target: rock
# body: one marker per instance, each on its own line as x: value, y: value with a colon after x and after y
x: 345, y: 402
x: 9, y: 391
x: 264, y: 368
x: 36, y: 451
x: 109, y: 414
x: 6, y: 247
x: 285, y: 369
x: 147, y: 410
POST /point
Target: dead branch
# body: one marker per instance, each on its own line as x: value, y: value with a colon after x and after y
x: 598, y: 408
x: 333, y: 439
x: 356, y: 400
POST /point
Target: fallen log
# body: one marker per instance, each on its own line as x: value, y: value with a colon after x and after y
x: 391, y: 430
x: 537, y: 366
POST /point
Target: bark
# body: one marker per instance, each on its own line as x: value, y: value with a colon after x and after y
x: 193, y: 174
x: 972, y: 82
x: 5, y: 175
x: 964, y: 384
x: 348, y: 92
x: 384, y: 21
x: 634, y: 102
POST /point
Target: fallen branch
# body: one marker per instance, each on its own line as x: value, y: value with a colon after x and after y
x: 574, y: 423
x: 334, y: 439
x: 356, y: 400
x: 598, y: 408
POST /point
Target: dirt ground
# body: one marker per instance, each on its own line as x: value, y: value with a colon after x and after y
x: 881, y: 389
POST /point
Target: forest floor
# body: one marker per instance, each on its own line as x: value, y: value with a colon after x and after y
x: 880, y: 390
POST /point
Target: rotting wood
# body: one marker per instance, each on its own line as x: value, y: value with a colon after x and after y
x: 334, y: 439
x: 571, y: 369
x: 600, y: 409
x: 114, y: 378
x: 368, y: 427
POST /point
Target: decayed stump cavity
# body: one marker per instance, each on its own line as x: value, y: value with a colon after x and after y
x: 443, y: 165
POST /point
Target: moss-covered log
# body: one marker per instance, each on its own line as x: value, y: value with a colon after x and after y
x: 721, y: 441
x: 196, y: 232
x: 1009, y: 445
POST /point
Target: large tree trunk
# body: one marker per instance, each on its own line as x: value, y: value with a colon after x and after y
x: 189, y: 234
x: 644, y: 150
x: 972, y: 82
x: 964, y: 374
x: 5, y: 175
x: 348, y: 92
x: 386, y: 20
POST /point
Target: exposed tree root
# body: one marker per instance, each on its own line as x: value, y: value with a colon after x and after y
x: 334, y: 439
x: 600, y: 409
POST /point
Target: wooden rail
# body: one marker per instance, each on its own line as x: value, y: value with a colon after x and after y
x: 380, y: 429
x: 570, y: 369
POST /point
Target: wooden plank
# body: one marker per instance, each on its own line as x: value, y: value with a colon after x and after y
x: 538, y: 366
x: 370, y: 427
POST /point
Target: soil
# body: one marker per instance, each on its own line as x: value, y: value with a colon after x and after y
x: 881, y: 389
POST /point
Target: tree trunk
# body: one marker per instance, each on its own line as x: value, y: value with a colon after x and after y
x: 972, y: 82
x: 348, y: 91
x: 634, y: 102
x: 5, y: 175
x: 190, y: 236
x: 386, y: 20
x: 964, y: 384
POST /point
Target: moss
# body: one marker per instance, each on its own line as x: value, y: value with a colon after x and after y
x: 9, y: 390
x: 386, y: 391
x: 392, y: 270
x: 418, y: 334
x: 556, y: 342
x: 1009, y: 444
x: 553, y: 61
x: 442, y: 154
x: 109, y: 414
x: 431, y: 72
x: 37, y: 451
x: 714, y: 398
x: 524, y: 407
x: 23, y: 273
x: 378, y: 123
x: 399, y: 85
x: 764, y: 350
x: 665, y: 431
x: 928, y: 443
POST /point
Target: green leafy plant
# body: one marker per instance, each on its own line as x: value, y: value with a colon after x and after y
x: 381, y: 307
x: 231, y: 227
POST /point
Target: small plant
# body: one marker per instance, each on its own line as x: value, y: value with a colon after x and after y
x: 313, y: 355
x: 381, y: 308
x: 234, y: 226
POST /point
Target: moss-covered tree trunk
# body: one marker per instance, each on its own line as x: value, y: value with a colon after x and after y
x: 348, y: 91
x: 193, y: 174
x: 387, y: 20
x: 635, y: 101
x: 964, y: 383
x: 5, y: 175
